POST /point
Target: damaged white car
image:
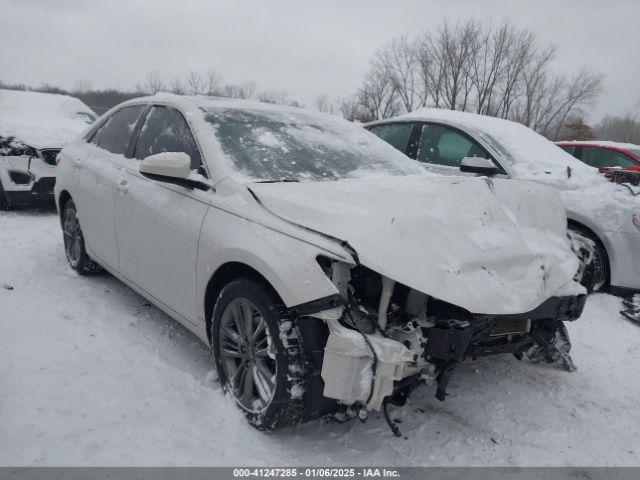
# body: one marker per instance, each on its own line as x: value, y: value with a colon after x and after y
x: 326, y: 270
x: 33, y: 128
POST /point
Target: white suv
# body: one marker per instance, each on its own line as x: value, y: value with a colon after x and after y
x: 34, y: 127
x: 325, y: 269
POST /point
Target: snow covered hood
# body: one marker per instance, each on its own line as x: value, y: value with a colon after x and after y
x: 488, y: 246
x: 42, y: 120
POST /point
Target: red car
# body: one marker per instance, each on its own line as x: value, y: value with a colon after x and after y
x: 604, y: 155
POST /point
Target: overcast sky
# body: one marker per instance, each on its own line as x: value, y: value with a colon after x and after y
x: 303, y: 47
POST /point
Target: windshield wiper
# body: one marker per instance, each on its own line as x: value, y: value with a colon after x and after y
x: 284, y: 180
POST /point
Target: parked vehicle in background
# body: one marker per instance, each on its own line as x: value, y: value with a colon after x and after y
x: 460, y: 143
x: 604, y: 155
x: 33, y: 128
x: 322, y: 266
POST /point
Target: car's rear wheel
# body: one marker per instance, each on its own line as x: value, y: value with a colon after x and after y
x: 596, y: 275
x: 74, y: 246
x: 260, y: 355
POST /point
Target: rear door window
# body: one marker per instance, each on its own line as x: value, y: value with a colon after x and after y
x: 166, y: 130
x: 395, y: 134
x: 114, y: 134
x: 599, y: 157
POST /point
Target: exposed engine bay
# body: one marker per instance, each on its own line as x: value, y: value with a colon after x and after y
x: 390, y: 338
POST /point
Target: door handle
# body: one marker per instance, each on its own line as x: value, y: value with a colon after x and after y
x: 122, y: 185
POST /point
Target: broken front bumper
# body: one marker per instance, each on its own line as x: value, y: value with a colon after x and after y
x: 41, y: 192
x: 27, y: 180
x: 364, y: 369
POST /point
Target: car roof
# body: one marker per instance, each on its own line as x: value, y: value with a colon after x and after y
x: 600, y: 143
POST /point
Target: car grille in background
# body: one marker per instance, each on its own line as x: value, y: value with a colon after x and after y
x: 506, y: 327
x: 49, y: 155
x: 44, y: 185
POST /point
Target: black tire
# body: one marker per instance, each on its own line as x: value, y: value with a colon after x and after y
x: 294, y: 379
x: 4, y: 204
x: 74, y: 246
x: 596, y: 274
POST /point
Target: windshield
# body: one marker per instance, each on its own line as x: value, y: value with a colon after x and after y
x: 285, y: 145
x: 495, y: 144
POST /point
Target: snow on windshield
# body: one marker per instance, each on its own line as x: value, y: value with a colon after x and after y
x: 275, y: 144
x: 42, y: 119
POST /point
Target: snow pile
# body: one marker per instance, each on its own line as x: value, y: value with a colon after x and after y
x: 42, y: 120
x: 92, y: 375
x: 532, y: 157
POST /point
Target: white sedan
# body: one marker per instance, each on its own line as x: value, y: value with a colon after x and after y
x: 325, y: 269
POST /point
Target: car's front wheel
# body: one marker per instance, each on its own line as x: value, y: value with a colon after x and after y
x: 74, y: 246
x: 259, y: 355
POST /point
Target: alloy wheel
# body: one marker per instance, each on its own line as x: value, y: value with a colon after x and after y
x: 72, y: 236
x: 247, y: 355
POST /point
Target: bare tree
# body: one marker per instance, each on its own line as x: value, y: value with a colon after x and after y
x: 490, y: 62
x: 153, y: 83
x: 279, y: 97
x: 230, y: 91
x: 452, y: 49
x: 397, y: 61
x: 351, y: 109
x: 248, y: 90
x: 213, y: 82
x: 82, y: 86
x: 624, y: 128
x: 492, y: 69
x: 324, y: 104
x: 581, y: 91
x: 177, y: 87
x: 576, y: 129
x: 195, y: 83
x: 377, y: 96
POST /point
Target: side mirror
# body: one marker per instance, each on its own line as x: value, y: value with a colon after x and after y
x: 482, y: 166
x: 167, y: 164
x: 171, y: 167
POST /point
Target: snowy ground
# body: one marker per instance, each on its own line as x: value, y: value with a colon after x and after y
x: 90, y: 374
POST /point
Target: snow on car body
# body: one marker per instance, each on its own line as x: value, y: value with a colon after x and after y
x: 319, y: 263
x: 33, y: 128
x: 605, y: 212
